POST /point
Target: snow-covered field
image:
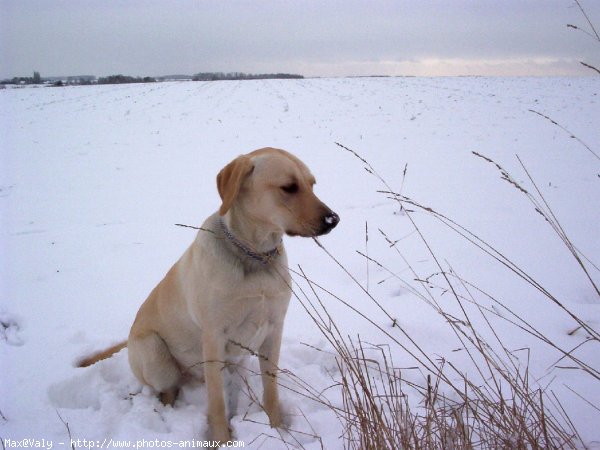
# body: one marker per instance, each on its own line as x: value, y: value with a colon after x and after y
x: 94, y: 179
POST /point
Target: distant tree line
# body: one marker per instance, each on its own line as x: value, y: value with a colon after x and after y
x: 54, y: 81
x: 123, y: 79
x: 217, y: 76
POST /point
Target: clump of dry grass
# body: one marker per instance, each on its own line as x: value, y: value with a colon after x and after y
x: 495, y: 403
x: 383, y: 409
x: 378, y: 411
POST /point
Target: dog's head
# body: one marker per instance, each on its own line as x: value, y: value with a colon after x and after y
x: 274, y: 188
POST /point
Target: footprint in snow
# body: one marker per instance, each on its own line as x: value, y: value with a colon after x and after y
x: 10, y: 330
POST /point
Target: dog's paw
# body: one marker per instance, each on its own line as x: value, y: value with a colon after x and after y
x: 219, y: 433
x: 279, y: 418
x: 275, y: 420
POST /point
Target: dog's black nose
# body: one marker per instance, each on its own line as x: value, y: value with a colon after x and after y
x: 329, y: 222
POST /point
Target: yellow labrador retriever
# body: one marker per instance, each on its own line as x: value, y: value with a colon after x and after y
x: 229, y: 292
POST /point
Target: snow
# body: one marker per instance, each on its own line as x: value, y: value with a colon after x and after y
x: 94, y: 178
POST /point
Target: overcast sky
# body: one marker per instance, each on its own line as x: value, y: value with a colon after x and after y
x: 309, y: 37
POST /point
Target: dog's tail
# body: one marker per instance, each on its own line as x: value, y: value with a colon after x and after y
x: 102, y: 355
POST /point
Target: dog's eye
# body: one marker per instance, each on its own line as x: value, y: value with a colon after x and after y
x: 291, y: 188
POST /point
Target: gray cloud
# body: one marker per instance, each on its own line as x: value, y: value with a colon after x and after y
x: 312, y: 37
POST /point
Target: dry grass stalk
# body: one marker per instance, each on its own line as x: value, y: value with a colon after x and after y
x: 499, y: 408
x: 592, y: 33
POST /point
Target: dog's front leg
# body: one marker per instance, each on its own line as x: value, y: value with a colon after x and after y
x: 214, y: 361
x: 269, y: 361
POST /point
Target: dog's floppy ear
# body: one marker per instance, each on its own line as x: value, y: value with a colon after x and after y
x: 230, y: 179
